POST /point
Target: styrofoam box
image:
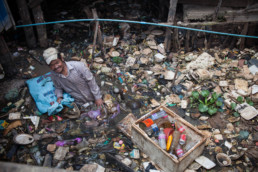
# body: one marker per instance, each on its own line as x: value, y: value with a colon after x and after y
x: 195, y: 142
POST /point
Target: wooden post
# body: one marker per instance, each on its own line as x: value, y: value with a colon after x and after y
x: 176, y: 44
x: 95, y: 35
x: 234, y: 39
x: 6, y: 59
x: 99, y: 37
x: 41, y: 29
x: 187, y: 39
x: 25, y: 16
x: 171, y: 17
x: 161, y: 9
x: 194, y: 39
x: 215, y: 15
x: 88, y: 12
x: 242, y: 40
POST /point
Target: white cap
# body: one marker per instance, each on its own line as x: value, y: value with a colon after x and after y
x: 50, y: 54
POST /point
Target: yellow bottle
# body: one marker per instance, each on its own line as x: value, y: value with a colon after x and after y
x: 169, y: 141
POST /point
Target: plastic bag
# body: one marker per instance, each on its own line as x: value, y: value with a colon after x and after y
x: 43, y: 92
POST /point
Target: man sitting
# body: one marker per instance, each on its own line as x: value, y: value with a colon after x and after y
x: 73, y: 77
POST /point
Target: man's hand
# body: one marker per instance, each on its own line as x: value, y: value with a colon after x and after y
x: 99, y: 102
x: 59, y: 99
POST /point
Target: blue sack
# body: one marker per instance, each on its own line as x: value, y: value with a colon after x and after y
x: 43, y: 92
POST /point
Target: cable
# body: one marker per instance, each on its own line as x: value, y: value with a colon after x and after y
x: 140, y: 22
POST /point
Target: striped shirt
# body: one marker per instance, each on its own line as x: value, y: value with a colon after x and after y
x: 79, y: 83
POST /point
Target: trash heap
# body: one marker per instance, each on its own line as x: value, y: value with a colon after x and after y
x: 213, y: 89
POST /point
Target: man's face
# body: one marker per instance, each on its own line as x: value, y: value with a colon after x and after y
x: 57, y: 65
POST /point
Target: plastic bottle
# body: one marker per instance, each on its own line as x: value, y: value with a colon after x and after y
x: 158, y: 115
x: 179, y: 151
x: 169, y: 141
x: 146, y: 123
x: 152, y: 129
x: 162, y: 139
x: 176, y: 136
x: 182, y: 139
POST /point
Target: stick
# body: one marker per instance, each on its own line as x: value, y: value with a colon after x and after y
x: 177, y: 68
x: 95, y: 35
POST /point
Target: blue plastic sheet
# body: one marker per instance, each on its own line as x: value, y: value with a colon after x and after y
x: 43, y: 92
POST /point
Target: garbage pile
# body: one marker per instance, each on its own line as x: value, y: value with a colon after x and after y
x: 213, y: 89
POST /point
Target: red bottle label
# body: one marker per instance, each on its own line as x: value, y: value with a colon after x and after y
x: 183, y: 137
x: 179, y: 151
x: 181, y: 129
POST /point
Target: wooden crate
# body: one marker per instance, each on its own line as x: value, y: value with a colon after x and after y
x: 194, y: 144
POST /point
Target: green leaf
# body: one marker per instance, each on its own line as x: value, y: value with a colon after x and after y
x: 240, y: 99
x: 218, y: 103
x: 249, y: 101
x: 233, y: 106
x: 215, y: 96
x: 203, y: 107
x: 206, y: 101
x: 195, y: 94
x: 201, y: 101
x: 212, y: 110
x: 205, y: 93
x: 212, y: 100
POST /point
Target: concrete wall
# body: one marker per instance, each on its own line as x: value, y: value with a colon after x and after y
x: 14, y: 167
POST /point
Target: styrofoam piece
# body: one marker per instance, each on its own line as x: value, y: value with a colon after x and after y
x: 205, y: 162
x: 246, y: 111
x: 23, y: 139
x: 14, y: 116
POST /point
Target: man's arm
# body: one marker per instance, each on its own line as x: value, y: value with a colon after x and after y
x: 94, y: 88
x: 58, y: 90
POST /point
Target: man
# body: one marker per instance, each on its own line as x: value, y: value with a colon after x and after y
x: 72, y: 77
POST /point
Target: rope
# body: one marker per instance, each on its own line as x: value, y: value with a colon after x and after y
x: 139, y: 22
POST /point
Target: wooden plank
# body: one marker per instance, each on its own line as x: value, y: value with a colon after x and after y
x: 41, y: 29
x: 189, y: 24
x: 25, y: 16
x: 171, y: 17
x: 225, y: 3
x: 238, y: 17
x: 125, y: 125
